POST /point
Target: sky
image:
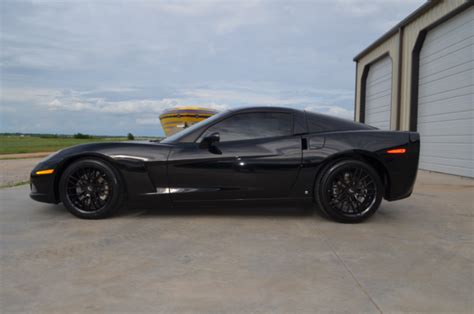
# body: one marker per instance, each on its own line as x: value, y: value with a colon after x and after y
x: 111, y: 67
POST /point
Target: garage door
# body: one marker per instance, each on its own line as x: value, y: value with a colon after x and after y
x: 445, y: 99
x: 378, y: 94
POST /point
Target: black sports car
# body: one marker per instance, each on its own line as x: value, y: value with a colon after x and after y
x: 244, y: 155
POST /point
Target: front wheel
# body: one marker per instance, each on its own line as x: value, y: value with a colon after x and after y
x: 91, y: 189
x: 348, y: 191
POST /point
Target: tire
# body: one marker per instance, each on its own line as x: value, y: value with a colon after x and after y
x: 348, y: 191
x: 91, y: 189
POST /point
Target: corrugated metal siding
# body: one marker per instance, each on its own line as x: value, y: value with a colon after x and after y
x: 391, y: 47
x: 445, y: 98
x: 379, y: 94
x: 410, y: 36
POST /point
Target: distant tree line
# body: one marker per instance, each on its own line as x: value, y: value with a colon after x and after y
x: 78, y: 135
x: 82, y: 136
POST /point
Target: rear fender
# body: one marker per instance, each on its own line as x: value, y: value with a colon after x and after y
x: 398, y: 171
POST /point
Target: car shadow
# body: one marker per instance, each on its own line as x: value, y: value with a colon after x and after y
x: 52, y: 209
x: 269, y: 211
x: 58, y: 210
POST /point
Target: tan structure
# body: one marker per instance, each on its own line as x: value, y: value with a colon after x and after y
x: 389, y: 44
x: 419, y: 77
x: 176, y: 119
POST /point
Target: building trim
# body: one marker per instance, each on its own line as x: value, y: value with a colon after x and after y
x: 415, y: 75
x: 415, y: 67
x: 363, y: 85
x: 399, y: 78
x: 355, y: 92
x: 410, y: 18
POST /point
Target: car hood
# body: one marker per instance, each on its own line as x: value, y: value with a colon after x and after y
x: 132, y: 151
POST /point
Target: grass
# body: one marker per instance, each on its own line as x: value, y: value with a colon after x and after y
x: 34, y: 144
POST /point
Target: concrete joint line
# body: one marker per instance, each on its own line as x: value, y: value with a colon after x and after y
x: 361, y: 287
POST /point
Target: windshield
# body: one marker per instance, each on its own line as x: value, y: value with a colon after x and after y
x: 177, y: 136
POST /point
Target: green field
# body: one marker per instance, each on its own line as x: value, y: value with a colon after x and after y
x: 33, y: 144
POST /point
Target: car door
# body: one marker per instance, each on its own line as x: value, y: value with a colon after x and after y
x: 257, y: 157
x: 204, y: 174
x: 275, y: 162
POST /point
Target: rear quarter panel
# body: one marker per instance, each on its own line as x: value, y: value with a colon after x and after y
x: 399, y: 171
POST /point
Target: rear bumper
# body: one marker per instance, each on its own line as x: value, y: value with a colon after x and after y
x: 394, y: 195
x: 402, y: 169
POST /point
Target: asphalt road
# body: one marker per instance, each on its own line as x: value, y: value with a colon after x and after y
x: 415, y: 255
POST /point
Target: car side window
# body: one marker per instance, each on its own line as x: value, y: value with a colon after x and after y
x: 248, y: 126
x: 315, y: 123
x: 321, y: 123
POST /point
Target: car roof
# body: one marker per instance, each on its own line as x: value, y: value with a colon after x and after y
x: 263, y: 109
x: 325, y: 122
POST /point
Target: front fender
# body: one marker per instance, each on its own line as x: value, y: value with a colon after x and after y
x: 130, y: 159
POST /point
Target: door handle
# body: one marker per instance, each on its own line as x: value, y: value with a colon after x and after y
x: 304, y: 143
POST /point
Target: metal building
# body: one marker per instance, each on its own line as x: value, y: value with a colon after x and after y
x: 419, y: 76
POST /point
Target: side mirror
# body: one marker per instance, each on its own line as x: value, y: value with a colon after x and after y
x: 209, y: 140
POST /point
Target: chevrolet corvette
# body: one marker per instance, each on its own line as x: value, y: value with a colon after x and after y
x: 249, y: 155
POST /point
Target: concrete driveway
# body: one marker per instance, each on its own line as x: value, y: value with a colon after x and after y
x: 414, y: 255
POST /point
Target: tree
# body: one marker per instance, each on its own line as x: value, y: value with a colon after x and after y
x: 81, y: 136
x: 130, y: 137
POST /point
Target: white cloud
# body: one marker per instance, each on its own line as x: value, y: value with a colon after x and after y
x: 117, y: 107
x: 28, y: 95
x: 246, y: 97
x: 233, y: 95
x: 79, y: 60
x: 362, y: 8
x: 219, y: 98
x: 110, y: 90
x: 337, y: 111
x: 148, y: 120
x: 80, y: 101
x: 357, y: 8
x: 186, y: 8
x: 4, y: 109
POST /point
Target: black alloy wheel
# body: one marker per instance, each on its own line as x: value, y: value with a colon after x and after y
x: 349, y: 191
x: 90, y: 188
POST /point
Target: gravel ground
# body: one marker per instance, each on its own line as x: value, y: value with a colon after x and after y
x: 16, y: 170
x: 25, y: 155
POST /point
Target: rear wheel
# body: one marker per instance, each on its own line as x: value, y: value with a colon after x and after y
x: 91, y: 189
x: 348, y: 191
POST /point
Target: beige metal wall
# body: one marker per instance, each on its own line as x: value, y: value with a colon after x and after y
x: 391, y: 46
x: 409, y: 38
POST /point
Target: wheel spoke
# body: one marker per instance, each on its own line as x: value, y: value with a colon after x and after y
x: 88, y: 189
x: 352, y: 191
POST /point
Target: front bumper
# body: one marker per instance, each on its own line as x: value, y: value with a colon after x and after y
x: 42, y: 188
